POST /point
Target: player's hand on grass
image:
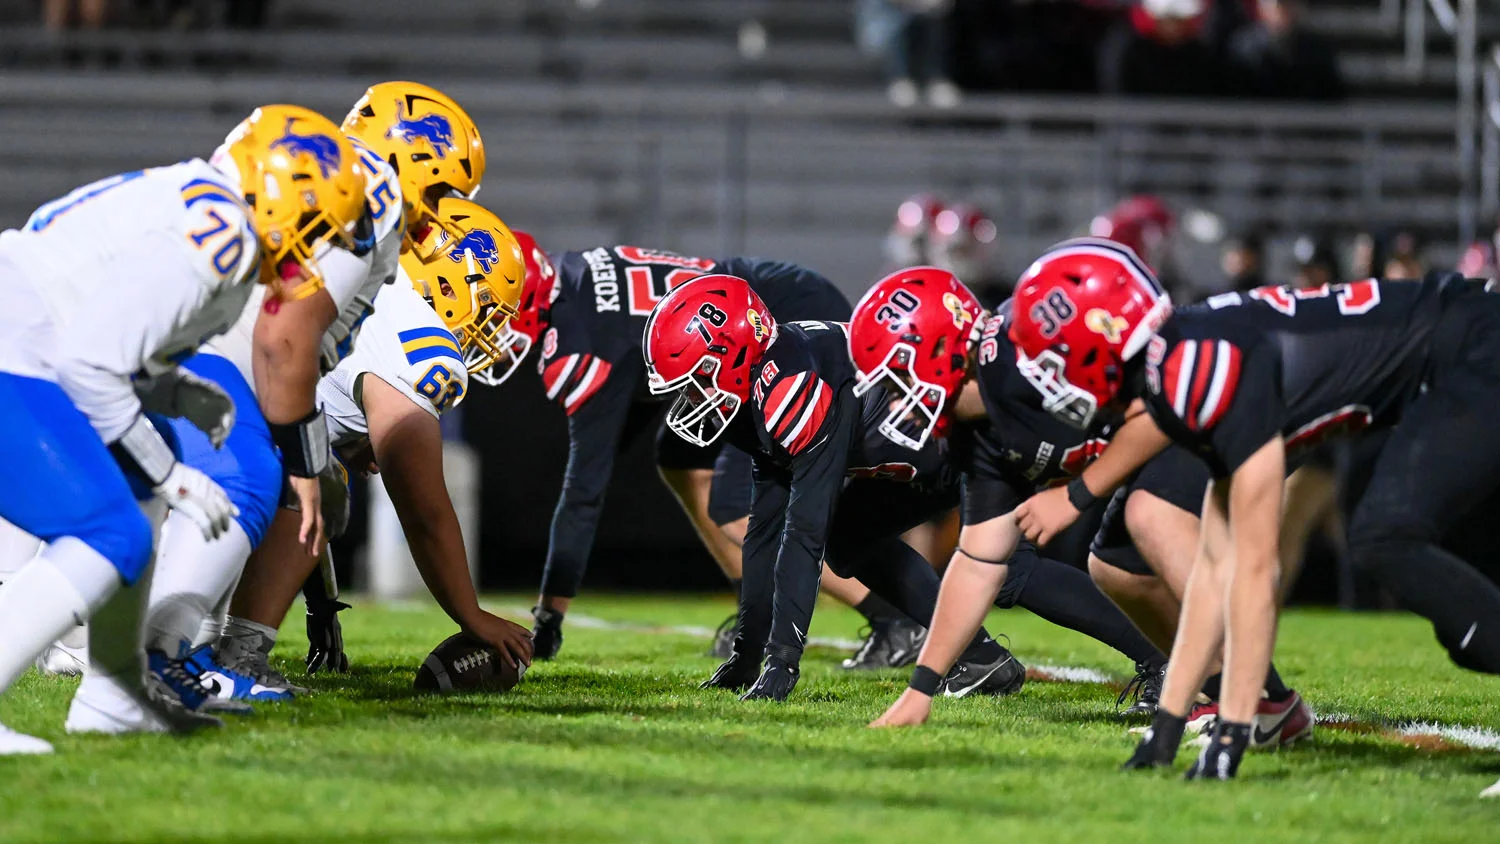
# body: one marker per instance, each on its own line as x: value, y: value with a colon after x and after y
x: 512, y: 640
x: 1046, y: 514
x: 909, y: 710
x: 309, y: 494
x: 195, y: 495
x: 325, y: 637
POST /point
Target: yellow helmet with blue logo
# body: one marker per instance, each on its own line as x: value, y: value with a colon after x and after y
x: 430, y: 141
x: 304, y: 185
x: 476, y: 286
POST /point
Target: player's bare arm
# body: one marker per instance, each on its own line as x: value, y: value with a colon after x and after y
x: 971, y: 583
x: 1049, y: 513
x: 288, y: 334
x: 408, y: 447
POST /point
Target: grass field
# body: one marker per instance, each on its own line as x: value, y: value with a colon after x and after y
x: 615, y: 743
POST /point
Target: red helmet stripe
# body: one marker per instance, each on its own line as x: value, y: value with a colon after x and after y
x: 810, y: 421
x: 1221, y: 387
x: 1109, y: 249
x: 588, y: 384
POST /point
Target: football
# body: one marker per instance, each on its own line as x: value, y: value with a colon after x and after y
x: 462, y: 663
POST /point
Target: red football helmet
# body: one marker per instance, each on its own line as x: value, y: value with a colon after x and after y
x: 701, y: 342
x: 1080, y: 312
x: 1142, y: 223
x: 911, y: 333
x: 524, y: 329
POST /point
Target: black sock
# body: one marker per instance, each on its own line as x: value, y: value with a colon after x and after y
x: 1211, y: 686
x: 1067, y: 597
x: 875, y: 608
x: 1276, y: 690
x: 983, y: 648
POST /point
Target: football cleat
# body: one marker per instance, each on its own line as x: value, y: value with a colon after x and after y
x: 13, y: 743
x: 227, y: 684
x: 249, y: 657
x: 546, y: 634
x: 63, y: 660
x: 103, y: 705
x: 178, y: 680
x: 1143, y: 691
x: 1220, y: 758
x: 1275, y: 725
x: 737, y: 673
x: 1492, y: 791
x: 775, y: 683
x: 723, y: 646
x: 1003, y: 676
x: 891, y: 643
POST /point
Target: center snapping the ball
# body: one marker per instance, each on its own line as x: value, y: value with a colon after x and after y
x: 462, y: 663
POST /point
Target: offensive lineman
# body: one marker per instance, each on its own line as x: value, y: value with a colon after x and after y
x: 120, y: 280
x: 1245, y: 382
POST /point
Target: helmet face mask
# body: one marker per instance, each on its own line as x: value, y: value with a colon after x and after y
x: 915, y: 408
x: 701, y: 411
x: 525, y: 328
x: 1066, y: 402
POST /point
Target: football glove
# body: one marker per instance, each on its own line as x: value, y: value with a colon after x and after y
x: 195, y: 495
x: 180, y: 393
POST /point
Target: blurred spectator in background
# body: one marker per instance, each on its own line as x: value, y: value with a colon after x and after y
x: 964, y: 243
x: 914, y: 38
x: 909, y: 242
x: 1478, y: 261
x: 1244, y: 261
x: 1275, y: 57
x: 1317, y: 264
x: 1403, y: 267
x: 60, y: 15
x: 1368, y: 257
x: 1146, y: 225
x: 1161, y: 49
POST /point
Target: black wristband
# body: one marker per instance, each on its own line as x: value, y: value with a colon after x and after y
x: 925, y: 680
x: 1079, y: 495
x: 303, y: 444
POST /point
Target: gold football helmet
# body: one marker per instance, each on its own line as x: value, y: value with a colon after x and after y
x: 475, y: 288
x: 304, y: 185
x: 429, y: 140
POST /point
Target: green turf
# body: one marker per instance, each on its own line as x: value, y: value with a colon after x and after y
x: 615, y: 743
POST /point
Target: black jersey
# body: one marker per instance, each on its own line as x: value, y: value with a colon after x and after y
x: 1224, y: 377
x: 1019, y: 447
x: 591, y: 364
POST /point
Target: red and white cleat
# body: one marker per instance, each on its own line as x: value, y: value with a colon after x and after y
x: 1276, y: 724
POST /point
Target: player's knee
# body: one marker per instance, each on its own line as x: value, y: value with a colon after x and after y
x: 124, y: 537
x: 1018, y: 572
x: 1475, y: 652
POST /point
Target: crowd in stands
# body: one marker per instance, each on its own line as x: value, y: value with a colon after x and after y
x: 1198, y: 48
x: 65, y: 15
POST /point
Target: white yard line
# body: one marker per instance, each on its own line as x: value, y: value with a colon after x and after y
x: 1481, y: 738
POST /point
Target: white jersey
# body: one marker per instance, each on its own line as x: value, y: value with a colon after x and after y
x: 352, y: 280
x: 129, y: 274
x: 404, y: 344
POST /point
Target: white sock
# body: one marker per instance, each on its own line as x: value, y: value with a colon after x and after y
x: 58, y: 590
x: 212, y: 628
x: 192, y: 576
x: 115, y: 629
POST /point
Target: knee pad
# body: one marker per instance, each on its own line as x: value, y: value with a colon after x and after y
x: 123, y: 537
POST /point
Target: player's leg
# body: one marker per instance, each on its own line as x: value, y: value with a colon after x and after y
x: 272, y: 577
x: 64, y: 488
x: 193, y: 575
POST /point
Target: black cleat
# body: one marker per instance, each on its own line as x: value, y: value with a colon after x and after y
x: 891, y: 643
x: 1143, y: 691
x: 775, y: 683
x: 1003, y: 676
x: 1158, y: 747
x: 736, y: 674
x: 1220, y: 759
x: 723, y: 646
x: 546, y: 634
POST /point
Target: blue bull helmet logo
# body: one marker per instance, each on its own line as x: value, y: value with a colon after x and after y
x: 480, y: 245
x: 435, y: 128
x: 323, y: 149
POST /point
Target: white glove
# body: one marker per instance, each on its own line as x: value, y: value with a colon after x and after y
x: 195, y: 495
x: 182, y: 394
